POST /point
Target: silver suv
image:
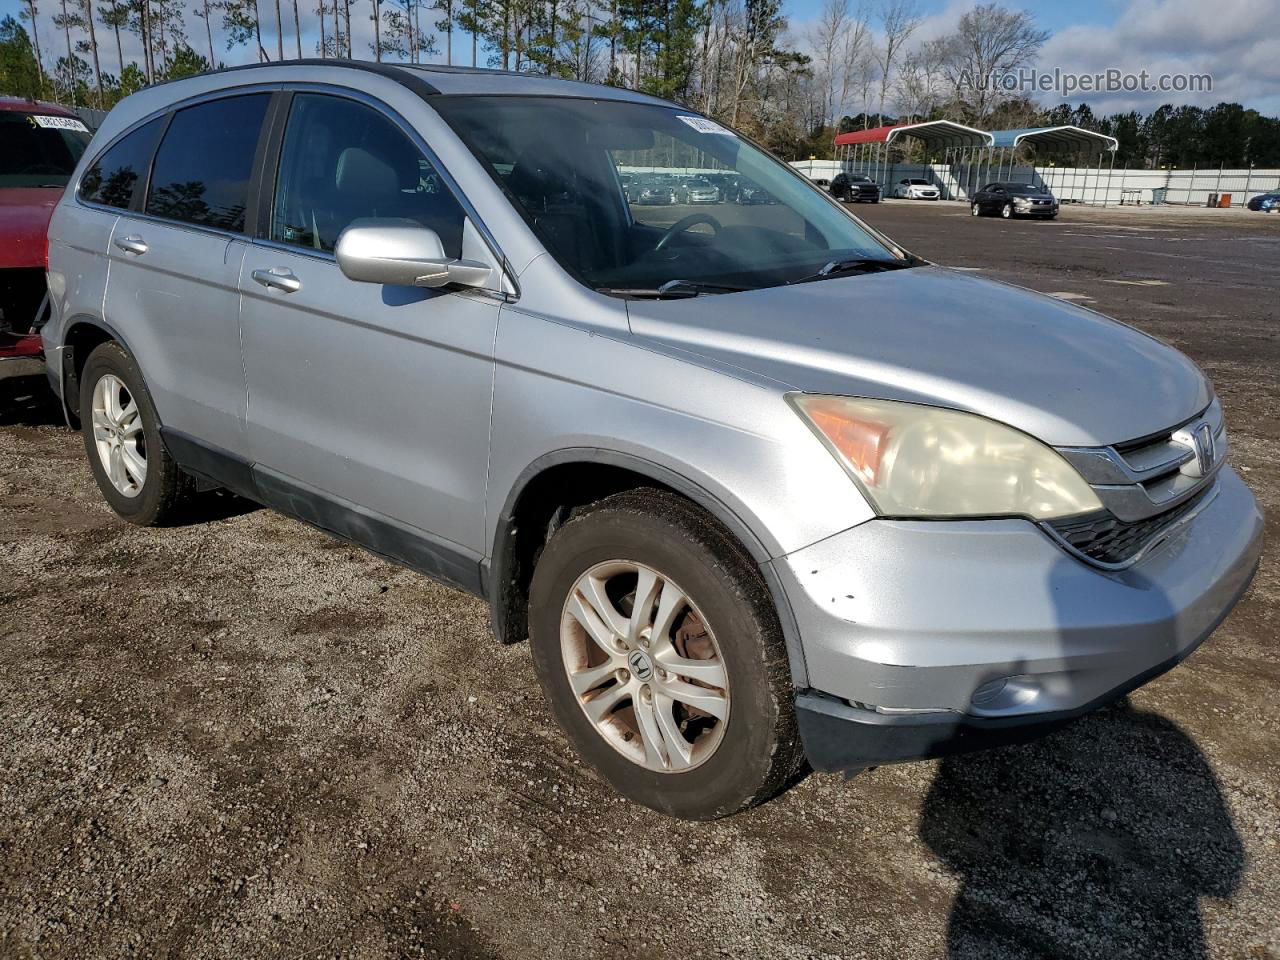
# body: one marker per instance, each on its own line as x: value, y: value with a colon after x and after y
x: 763, y: 490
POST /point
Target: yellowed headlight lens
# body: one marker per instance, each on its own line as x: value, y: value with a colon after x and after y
x: 916, y: 460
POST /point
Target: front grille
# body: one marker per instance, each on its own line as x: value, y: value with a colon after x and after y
x: 1107, y: 539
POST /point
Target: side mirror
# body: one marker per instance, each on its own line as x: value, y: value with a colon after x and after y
x: 404, y: 253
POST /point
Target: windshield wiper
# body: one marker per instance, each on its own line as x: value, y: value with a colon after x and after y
x: 856, y: 265
x: 674, y: 289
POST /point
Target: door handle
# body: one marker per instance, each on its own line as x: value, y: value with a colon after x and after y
x: 132, y: 244
x: 278, y: 278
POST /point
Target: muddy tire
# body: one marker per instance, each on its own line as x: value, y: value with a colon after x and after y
x: 682, y: 642
x: 135, y: 473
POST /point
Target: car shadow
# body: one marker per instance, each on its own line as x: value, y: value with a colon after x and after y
x: 1099, y: 841
x: 216, y: 505
x: 28, y: 402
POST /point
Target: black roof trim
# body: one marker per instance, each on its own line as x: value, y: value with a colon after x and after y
x: 391, y: 71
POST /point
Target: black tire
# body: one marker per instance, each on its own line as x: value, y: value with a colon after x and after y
x: 760, y: 753
x: 166, y: 489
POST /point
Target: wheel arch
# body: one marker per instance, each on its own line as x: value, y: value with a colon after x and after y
x: 558, y: 481
x: 82, y: 335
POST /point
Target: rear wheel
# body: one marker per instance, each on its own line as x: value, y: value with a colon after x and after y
x: 660, y: 652
x: 135, y: 473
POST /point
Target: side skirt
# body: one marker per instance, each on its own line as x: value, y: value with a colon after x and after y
x: 375, y: 532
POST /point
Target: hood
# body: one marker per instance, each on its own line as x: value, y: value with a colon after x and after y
x: 1063, y: 374
x: 24, y: 222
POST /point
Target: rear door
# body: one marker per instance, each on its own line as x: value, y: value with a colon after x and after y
x: 175, y: 266
x: 368, y: 404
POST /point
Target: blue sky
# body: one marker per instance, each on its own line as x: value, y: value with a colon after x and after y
x: 1225, y: 38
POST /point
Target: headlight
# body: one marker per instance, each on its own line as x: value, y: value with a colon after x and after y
x: 918, y: 461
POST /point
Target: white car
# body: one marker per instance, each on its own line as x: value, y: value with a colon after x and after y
x: 910, y: 189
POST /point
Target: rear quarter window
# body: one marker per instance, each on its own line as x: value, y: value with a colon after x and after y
x: 119, y: 171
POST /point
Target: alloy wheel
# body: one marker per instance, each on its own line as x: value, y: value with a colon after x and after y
x: 644, y: 666
x: 118, y: 435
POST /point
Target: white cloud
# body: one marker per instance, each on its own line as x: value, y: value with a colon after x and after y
x: 1232, y: 40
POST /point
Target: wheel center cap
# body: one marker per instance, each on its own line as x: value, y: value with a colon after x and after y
x: 641, y: 666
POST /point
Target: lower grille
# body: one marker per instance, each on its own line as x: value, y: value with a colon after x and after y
x: 1109, y: 540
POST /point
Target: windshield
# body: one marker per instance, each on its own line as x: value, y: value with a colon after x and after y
x: 1022, y: 188
x: 561, y: 162
x: 39, y: 150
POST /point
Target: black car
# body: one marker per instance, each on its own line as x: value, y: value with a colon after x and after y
x: 749, y: 193
x: 855, y: 188
x: 1014, y: 200
x: 1265, y: 202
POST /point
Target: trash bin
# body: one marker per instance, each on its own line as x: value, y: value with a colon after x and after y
x: 1212, y: 201
x: 1224, y: 200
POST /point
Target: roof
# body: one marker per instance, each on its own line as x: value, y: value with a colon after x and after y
x: 34, y: 106
x: 439, y: 79
x: 943, y: 133
x: 1063, y: 138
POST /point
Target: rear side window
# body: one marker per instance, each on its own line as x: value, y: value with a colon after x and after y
x: 119, y: 171
x: 344, y: 161
x: 204, y: 164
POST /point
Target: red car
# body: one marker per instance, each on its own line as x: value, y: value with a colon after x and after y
x: 42, y: 144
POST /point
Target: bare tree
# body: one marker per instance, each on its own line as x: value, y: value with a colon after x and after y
x: 990, y: 40
x: 203, y: 12
x: 93, y: 47
x: 857, y: 63
x: 921, y: 79
x: 445, y: 25
x: 827, y: 39
x: 29, y: 14
x: 898, y: 21
x: 115, y: 17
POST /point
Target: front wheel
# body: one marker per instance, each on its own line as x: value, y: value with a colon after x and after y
x: 975, y: 210
x: 1007, y: 211
x: 135, y: 473
x: 661, y: 655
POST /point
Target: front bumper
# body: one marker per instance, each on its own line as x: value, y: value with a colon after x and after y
x: 926, y: 637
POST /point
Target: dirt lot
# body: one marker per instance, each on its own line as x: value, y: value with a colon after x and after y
x: 241, y: 739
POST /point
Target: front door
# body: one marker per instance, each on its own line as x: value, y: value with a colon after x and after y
x: 368, y: 405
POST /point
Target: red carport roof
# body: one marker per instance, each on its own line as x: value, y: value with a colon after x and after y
x: 940, y: 132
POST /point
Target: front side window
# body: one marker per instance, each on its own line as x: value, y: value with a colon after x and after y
x: 344, y: 161
x: 205, y: 162
x: 121, y: 169
x: 39, y: 150
x: 563, y: 161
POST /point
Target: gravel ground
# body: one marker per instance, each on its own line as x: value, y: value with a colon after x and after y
x: 239, y: 738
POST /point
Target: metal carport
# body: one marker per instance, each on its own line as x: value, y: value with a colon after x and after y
x: 866, y: 151
x: 1060, y: 141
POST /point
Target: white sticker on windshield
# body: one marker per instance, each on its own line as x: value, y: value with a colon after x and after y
x: 703, y: 125
x: 58, y: 123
